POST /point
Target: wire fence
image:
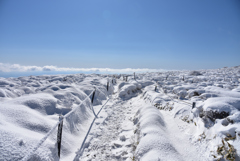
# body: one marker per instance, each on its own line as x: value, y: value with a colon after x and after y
x: 56, y: 130
x: 58, y: 127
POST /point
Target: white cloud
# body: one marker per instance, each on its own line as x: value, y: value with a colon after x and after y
x: 20, y: 68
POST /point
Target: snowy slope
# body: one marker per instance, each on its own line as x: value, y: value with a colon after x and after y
x: 216, y: 114
x: 150, y: 118
x: 30, y: 107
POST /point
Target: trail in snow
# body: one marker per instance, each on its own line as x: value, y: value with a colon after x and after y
x: 112, y: 134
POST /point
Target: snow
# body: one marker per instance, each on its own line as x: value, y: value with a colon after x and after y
x: 31, y: 110
x: 126, y: 89
x: 147, y: 118
x: 154, y: 143
x: 227, y: 104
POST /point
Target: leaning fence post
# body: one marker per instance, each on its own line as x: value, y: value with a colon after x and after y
x: 193, y: 105
x: 59, y: 134
x: 93, y: 96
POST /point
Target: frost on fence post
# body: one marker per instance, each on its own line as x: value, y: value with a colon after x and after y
x: 93, y: 96
x: 164, y: 90
x: 59, y: 134
x: 193, y: 105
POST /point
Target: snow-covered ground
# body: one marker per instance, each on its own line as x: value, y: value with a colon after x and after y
x: 148, y: 118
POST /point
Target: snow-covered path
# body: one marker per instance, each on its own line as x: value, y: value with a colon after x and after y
x: 112, y: 136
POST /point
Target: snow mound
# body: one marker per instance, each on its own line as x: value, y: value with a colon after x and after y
x: 195, y: 73
x: 219, y: 104
x: 4, y: 82
x: 42, y: 102
x: 153, y: 141
x: 30, y: 108
x: 126, y: 89
x: 145, y: 83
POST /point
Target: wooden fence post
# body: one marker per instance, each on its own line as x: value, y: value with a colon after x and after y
x: 93, y: 96
x: 59, y: 134
x: 193, y: 105
x: 107, y: 85
x: 164, y: 90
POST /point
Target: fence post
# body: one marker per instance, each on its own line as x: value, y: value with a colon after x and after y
x: 193, y: 105
x: 155, y: 88
x: 134, y: 76
x: 167, y: 77
x: 93, y: 96
x: 165, y: 90
x: 59, y: 134
x: 126, y: 78
x: 107, y: 85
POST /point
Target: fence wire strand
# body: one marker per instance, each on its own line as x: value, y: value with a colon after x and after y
x: 53, y: 128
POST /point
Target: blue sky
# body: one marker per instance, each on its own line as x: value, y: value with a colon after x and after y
x: 155, y: 34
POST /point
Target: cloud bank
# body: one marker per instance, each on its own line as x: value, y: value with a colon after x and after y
x: 21, y: 68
